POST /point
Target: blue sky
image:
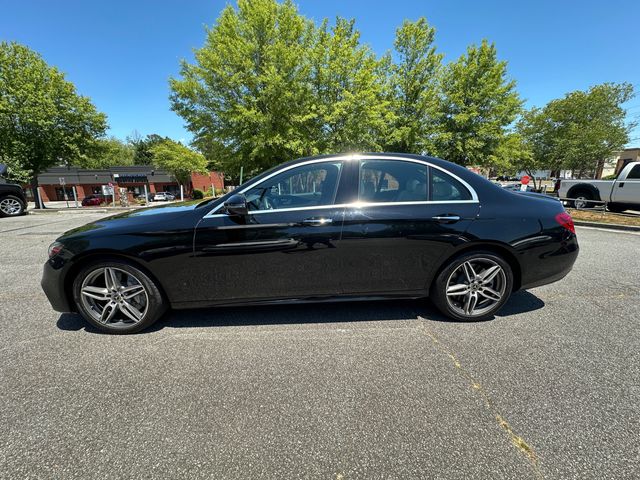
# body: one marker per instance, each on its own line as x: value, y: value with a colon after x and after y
x: 121, y: 54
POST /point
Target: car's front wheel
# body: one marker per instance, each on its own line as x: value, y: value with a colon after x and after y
x: 473, y: 287
x: 117, y: 297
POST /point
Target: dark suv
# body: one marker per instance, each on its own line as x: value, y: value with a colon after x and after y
x: 12, y: 199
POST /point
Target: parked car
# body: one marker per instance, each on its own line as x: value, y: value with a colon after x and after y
x: 163, y: 197
x: 149, y: 197
x: 623, y: 193
x: 322, y: 228
x: 13, y: 201
x: 94, y: 200
x: 517, y: 187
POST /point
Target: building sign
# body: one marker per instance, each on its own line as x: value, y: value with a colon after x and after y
x: 130, y: 178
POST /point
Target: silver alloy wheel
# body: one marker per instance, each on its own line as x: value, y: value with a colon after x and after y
x: 476, y: 286
x: 581, y: 202
x: 10, y: 206
x: 114, y: 297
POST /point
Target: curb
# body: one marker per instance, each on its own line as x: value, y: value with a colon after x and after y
x: 51, y: 211
x: 610, y: 226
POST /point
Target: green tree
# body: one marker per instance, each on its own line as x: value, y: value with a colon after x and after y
x: 268, y: 85
x: 43, y: 120
x: 246, y: 99
x: 414, y: 88
x: 351, y: 111
x: 108, y: 152
x: 581, y: 130
x: 478, y: 105
x: 142, y: 146
x: 178, y: 160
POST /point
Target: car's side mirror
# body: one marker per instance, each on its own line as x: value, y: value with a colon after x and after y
x: 237, y: 205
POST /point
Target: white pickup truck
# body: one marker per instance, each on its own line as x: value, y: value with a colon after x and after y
x: 623, y: 193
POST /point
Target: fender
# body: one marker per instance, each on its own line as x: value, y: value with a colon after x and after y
x: 585, y: 187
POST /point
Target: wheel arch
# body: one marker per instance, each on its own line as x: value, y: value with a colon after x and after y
x: 499, y: 249
x: 104, y: 255
x: 586, y: 187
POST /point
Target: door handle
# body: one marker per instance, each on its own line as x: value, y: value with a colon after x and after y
x: 446, y: 218
x: 317, y: 222
x: 621, y: 184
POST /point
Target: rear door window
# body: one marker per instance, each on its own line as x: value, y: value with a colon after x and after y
x: 387, y: 181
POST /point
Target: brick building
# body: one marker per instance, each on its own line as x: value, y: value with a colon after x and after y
x: 55, y: 181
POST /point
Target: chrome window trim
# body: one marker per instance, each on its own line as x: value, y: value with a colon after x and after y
x: 474, y: 195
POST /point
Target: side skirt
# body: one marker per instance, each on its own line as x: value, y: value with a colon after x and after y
x: 293, y: 301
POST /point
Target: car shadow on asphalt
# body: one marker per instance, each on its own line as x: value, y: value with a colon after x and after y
x: 318, y: 313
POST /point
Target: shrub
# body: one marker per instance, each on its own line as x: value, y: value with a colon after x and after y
x: 197, y: 194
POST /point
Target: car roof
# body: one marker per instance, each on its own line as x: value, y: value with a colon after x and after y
x: 476, y: 181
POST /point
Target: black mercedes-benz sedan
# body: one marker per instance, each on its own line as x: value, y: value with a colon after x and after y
x: 365, y: 226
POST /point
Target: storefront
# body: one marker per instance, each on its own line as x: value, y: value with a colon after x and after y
x: 58, y: 181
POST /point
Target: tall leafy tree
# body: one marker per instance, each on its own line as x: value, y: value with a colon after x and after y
x: 108, y: 152
x: 142, y: 147
x: 348, y: 86
x: 581, y: 130
x: 246, y: 98
x: 268, y: 85
x: 414, y: 88
x: 478, y: 105
x: 43, y: 120
x: 178, y: 160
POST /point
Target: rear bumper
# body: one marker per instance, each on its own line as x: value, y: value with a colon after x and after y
x: 53, y: 285
x: 550, y: 265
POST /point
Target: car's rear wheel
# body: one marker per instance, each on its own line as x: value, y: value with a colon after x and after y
x: 473, y: 286
x: 11, y: 206
x: 582, y: 199
x: 117, y: 297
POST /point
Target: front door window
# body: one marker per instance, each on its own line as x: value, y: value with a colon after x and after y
x: 310, y: 185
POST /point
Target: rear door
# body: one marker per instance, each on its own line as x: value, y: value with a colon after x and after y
x: 407, y: 218
x: 627, y: 188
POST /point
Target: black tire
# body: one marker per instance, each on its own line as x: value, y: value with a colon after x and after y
x: 11, y: 206
x: 582, y: 195
x: 450, y: 272
x: 612, y: 207
x: 154, y: 302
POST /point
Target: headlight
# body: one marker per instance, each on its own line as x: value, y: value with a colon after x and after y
x: 55, y: 249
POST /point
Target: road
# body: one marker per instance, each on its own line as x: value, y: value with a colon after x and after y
x: 548, y: 389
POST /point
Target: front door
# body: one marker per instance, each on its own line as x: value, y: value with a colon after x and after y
x: 407, y: 220
x: 627, y: 190
x: 286, y: 247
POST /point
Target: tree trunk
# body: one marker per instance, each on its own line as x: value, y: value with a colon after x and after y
x: 34, y: 191
x: 532, y: 177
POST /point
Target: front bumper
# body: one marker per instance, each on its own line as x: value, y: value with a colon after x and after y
x: 54, y: 287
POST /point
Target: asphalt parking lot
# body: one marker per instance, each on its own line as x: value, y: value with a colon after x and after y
x: 548, y: 389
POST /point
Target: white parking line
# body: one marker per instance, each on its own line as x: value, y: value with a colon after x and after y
x: 610, y: 230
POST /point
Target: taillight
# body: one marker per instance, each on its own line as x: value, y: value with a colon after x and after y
x: 566, y: 221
